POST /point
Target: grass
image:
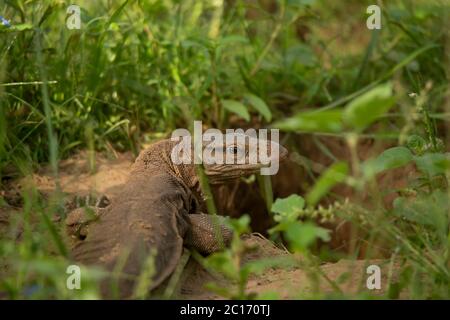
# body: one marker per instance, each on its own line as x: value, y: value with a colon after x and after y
x: 136, y: 70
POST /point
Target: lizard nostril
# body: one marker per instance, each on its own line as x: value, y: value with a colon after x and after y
x: 193, y: 206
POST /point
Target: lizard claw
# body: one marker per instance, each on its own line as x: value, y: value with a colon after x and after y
x: 78, y: 220
x: 103, y: 202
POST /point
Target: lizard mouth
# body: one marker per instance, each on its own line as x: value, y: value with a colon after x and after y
x: 220, y: 173
x: 217, y: 177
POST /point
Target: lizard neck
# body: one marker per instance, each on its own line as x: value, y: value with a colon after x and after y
x: 157, y: 158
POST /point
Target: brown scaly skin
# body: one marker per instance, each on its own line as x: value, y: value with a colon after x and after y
x: 156, y: 213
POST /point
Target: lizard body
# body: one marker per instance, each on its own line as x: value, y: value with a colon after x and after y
x: 156, y: 213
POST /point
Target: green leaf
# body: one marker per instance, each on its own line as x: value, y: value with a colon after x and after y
x: 288, y: 208
x: 240, y: 225
x: 222, y: 262
x: 335, y: 174
x: 433, y: 163
x: 301, y: 235
x: 237, y: 108
x: 368, y: 107
x: 313, y: 121
x: 260, y: 106
x: 417, y: 144
x: 390, y: 159
x: 428, y: 210
x: 16, y: 27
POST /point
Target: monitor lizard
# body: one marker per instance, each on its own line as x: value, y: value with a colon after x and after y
x: 156, y: 213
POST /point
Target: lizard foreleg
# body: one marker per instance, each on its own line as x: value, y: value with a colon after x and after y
x: 207, y: 233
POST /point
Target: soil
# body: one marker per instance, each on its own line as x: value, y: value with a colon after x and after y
x: 75, y: 179
x: 285, y: 282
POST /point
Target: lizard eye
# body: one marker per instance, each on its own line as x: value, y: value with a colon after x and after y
x: 233, y: 150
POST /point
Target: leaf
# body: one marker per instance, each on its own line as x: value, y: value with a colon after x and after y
x: 237, y: 108
x: 301, y: 235
x: 222, y: 262
x: 335, y: 174
x: 417, y: 144
x: 433, y: 163
x: 428, y: 210
x: 17, y: 27
x: 240, y: 225
x: 368, y: 107
x: 313, y: 121
x: 46, y: 14
x: 260, y: 106
x: 288, y: 208
x: 390, y: 159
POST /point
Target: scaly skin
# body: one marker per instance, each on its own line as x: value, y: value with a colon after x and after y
x: 155, y: 214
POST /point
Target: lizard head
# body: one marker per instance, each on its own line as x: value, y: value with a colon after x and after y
x: 237, y: 155
x: 225, y: 157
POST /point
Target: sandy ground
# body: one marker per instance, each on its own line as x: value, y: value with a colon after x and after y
x: 286, y: 282
x: 294, y: 281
